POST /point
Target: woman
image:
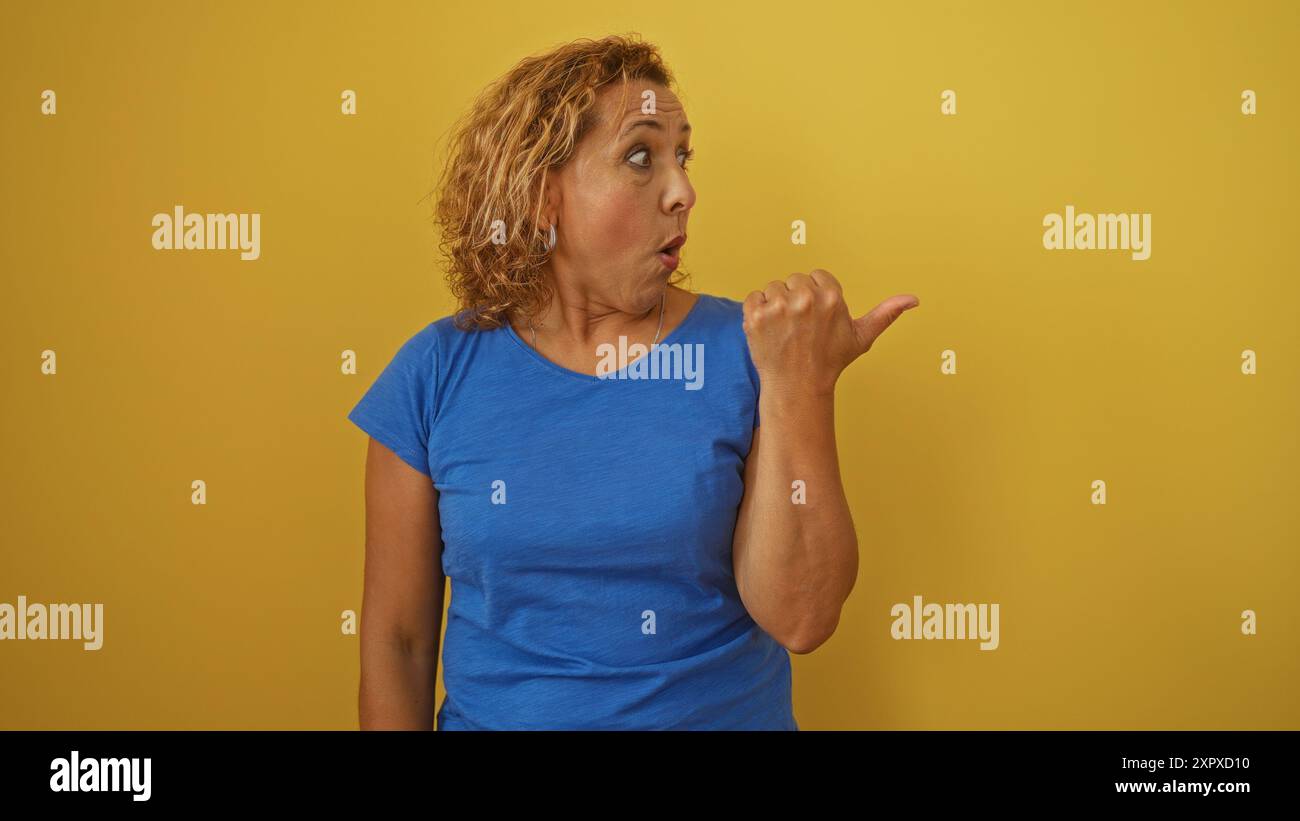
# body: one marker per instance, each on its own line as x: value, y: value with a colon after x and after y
x: 624, y: 552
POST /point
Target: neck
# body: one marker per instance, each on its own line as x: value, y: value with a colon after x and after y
x: 585, y: 321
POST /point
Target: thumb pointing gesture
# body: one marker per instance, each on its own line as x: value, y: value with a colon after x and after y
x: 801, y: 334
x: 873, y: 323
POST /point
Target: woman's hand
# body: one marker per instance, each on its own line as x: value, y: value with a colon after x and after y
x: 801, y: 336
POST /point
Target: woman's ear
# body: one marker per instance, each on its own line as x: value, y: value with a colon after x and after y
x: 551, y: 197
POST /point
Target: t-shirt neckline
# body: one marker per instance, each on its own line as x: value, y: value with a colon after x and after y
x: 586, y: 377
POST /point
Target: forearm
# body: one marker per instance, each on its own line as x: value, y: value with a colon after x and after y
x: 800, y: 556
x: 397, y: 684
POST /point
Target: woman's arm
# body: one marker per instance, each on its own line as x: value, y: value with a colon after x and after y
x: 795, y: 551
x: 401, y: 608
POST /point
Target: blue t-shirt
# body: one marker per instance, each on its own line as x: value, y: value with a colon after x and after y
x: 587, y: 525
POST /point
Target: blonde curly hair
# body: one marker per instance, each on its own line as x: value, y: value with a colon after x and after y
x: 523, y: 124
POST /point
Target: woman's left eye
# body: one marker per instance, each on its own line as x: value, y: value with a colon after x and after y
x: 685, y: 157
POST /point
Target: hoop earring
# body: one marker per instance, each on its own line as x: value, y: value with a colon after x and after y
x: 552, y: 239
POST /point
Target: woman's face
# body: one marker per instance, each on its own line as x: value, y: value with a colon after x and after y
x: 621, y: 197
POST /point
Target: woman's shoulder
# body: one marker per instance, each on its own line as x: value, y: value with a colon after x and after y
x: 431, y: 348
x: 719, y: 318
x: 444, y: 334
x: 719, y: 303
x: 716, y: 309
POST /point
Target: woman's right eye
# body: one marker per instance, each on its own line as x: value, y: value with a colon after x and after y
x: 634, y: 153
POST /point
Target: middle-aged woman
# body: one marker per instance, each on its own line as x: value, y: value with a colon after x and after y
x: 626, y: 549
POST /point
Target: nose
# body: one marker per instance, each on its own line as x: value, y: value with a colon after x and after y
x: 679, y: 194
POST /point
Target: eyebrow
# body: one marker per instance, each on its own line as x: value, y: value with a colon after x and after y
x: 686, y: 127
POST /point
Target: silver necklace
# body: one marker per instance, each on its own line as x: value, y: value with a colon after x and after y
x: 662, y: 301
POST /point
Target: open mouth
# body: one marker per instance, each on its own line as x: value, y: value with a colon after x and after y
x: 670, y: 254
x: 669, y: 259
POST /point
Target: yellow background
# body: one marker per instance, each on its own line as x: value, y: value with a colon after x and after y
x: 974, y: 487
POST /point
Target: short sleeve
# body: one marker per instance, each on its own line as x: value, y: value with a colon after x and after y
x: 397, y: 409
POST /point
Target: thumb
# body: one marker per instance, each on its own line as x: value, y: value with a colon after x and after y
x: 872, y: 324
